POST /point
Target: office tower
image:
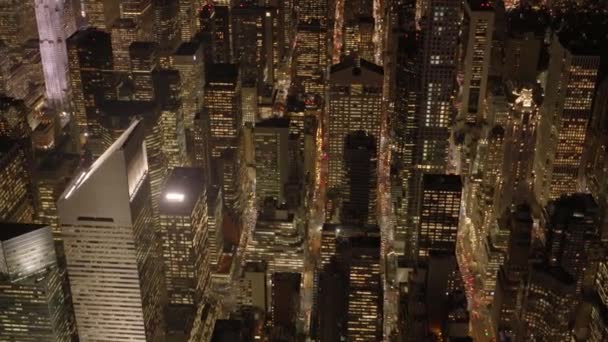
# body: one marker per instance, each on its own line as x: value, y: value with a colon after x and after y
x: 569, y: 93
x: 142, y: 13
x: 355, y: 104
x: 313, y: 10
x: 478, y: 27
x: 311, y: 57
x: 364, y: 308
x: 189, y: 61
x: 440, y: 29
x: 598, y: 325
x: 200, y: 151
x: 215, y: 25
x: 144, y: 58
x: 53, y: 51
x: 17, y: 196
x: 439, y: 214
x: 571, y: 230
x: 166, y: 28
x: 270, y: 141
x: 124, y: 32
x: 515, y: 270
x: 34, y: 295
x: 167, y: 91
x: 187, y: 19
x: 90, y: 58
x: 183, y: 232
x: 227, y: 177
x: 548, y: 288
x: 276, y: 241
x: 13, y: 119
x: 118, y: 117
x: 52, y: 174
x: 360, y: 162
x: 285, y: 305
x: 251, y: 43
x: 17, y: 22
x: 113, y: 263
x: 249, y: 102
x: 222, y: 99
x: 101, y: 13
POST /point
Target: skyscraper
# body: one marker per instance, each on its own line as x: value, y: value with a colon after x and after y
x: 124, y: 32
x: 360, y: 161
x: 90, y: 58
x: 189, y: 61
x: 34, y: 295
x: 270, y: 139
x: 478, y: 27
x: 144, y: 58
x: 101, y: 13
x: 112, y: 258
x: 16, y: 192
x: 440, y: 29
x: 311, y: 57
x: 569, y: 93
x: 440, y: 212
x: 355, y: 104
x: 222, y: 102
x: 53, y: 51
x: 183, y: 232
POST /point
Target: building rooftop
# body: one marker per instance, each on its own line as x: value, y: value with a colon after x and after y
x: 10, y: 230
x: 182, y: 190
x: 357, y: 64
x: 142, y: 49
x: 273, y: 123
x: 442, y: 182
x: 222, y: 73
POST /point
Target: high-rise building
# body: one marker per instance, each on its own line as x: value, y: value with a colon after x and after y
x: 16, y: 191
x: 360, y: 161
x: 188, y: 18
x: 101, y: 13
x: 35, y: 300
x: 364, y: 308
x: 440, y: 30
x: 254, y: 37
x: 113, y: 262
x: 598, y: 324
x: 183, y: 232
x: 144, y: 58
x: 52, y: 174
x: 53, y: 51
x: 167, y: 90
x: 90, y: 58
x: 285, y: 305
x: 313, y: 10
x: 118, y: 117
x: 439, y: 215
x: 215, y: 25
x: 222, y: 100
x: 548, y: 288
x: 355, y: 104
x: 124, y: 32
x: 562, y: 131
x: 13, y: 119
x: 17, y: 22
x: 311, y: 57
x: 478, y: 27
x: 189, y: 61
x: 572, y: 228
x: 166, y: 28
x: 253, y: 287
x: 270, y: 141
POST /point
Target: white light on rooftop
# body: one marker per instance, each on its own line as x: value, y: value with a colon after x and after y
x: 174, y: 197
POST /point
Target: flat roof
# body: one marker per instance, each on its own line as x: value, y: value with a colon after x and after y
x: 181, y: 191
x: 10, y: 230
